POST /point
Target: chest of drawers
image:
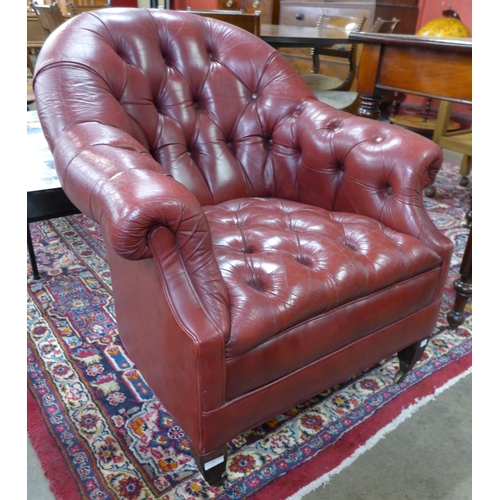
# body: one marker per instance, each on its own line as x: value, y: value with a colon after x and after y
x: 307, y: 13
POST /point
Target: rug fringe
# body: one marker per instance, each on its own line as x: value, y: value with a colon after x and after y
x: 371, y: 442
x: 56, y: 470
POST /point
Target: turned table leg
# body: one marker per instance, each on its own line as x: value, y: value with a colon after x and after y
x: 463, y: 287
x: 369, y: 101
x: 369, y: 106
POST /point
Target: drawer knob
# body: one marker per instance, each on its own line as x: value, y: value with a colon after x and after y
x: 229, y: 3
x: 299, y: 16
x: 256, y: 4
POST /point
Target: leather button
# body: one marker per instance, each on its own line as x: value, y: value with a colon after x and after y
x: 257, y: 283
x: 305, y: 261
x: 254, y: 97
x: 350, y: 245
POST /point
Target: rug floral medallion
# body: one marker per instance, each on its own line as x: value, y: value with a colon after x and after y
x: 113, y: 437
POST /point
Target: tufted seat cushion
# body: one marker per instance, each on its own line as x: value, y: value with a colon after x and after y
x: 284, y: 263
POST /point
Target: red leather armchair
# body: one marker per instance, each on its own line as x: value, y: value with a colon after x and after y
x: 263, y: 246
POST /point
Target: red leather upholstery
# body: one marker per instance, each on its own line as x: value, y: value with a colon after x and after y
x: 263, y: 246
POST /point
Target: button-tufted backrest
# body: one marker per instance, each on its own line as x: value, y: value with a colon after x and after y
x: 215, y: 106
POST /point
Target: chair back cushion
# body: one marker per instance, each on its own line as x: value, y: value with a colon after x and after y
x: 213, y: 104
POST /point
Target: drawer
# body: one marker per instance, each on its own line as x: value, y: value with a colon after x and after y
x: 250, y: 6
x: 405, y: 10
x: 297, y: 15
x: 228, y: 5
x: 265, y: 7
x: 308, y: 15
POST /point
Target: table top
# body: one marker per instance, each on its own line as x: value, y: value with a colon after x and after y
x: 458, y: 44
x: 41, y: 172
x: 281, y: 35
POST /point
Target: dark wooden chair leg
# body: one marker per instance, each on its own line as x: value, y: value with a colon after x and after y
x: 408, y: 357
x: 31, y: 251
x: 212, y: 465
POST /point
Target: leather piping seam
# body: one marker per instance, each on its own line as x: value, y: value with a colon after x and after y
x: 284, y: 332
x: 266, y: 387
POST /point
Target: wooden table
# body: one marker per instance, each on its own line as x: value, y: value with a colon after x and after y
x: 431, y: 67
x: 281, y: 35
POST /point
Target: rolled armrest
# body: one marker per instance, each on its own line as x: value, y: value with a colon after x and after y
x: 115, y: 181
x: 129, y: 194
x: 131, y: 204
x: 376, y: 169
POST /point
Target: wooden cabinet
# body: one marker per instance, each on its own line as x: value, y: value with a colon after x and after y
x: 269, y: 8
x: 307, y: 13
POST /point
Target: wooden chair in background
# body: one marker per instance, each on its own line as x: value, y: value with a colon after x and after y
x: 47, y: 19
x: 29, y: 85
x: 386, y: 26
x: 459, y: 141
x: 50, y: 16
x: 35, y: 34
x: 248, y: 21
x: 72, y: 9
x: 330, y: 90
x: 76, y: 7
x: 346, y: 52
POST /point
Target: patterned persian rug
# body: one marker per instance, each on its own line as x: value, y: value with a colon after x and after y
x: 101, y: 434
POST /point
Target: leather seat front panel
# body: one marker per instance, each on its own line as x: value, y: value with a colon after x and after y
x: 318, y: 337
x: 284, y: 262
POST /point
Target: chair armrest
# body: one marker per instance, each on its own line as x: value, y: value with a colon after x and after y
x: 116, y: 182
x: 375, y: 169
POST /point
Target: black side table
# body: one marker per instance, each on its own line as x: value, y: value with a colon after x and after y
x: 46, y: 199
